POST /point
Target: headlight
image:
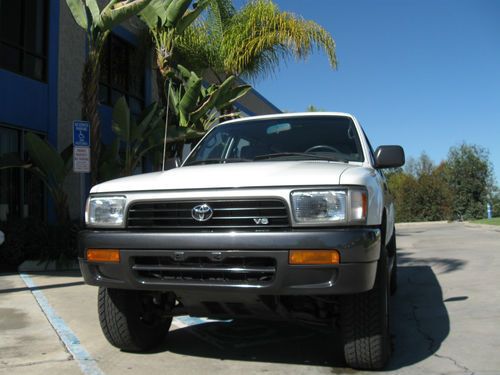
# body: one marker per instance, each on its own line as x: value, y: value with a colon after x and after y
x: 105, y: 211
x: 329, y: 206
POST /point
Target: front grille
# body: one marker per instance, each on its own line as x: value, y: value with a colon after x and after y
x: 250, y: 270
x: 227, y: 214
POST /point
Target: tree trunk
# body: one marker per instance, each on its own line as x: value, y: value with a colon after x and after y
x: 62, y: 208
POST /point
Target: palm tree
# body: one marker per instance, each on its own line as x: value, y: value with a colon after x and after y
x: 249, y: 42
x: 166, y: 21
x: 97, y: 25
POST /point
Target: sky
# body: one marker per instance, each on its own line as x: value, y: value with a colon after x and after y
x: 424, y: 74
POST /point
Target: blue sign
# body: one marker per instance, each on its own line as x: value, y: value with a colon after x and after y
x: 81, y: 134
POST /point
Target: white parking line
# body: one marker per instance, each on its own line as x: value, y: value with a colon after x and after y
x: 87, y: 364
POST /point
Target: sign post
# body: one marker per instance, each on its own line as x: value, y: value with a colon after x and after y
x: 81, y: 156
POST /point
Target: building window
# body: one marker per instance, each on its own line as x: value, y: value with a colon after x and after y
x: 23, y: 37
x: 122, y: 74
x: 21, y: 193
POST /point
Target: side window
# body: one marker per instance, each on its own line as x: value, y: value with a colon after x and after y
x: 241, y: 148
x: 215, y: 147
x: 372, y: 153
x: 249, y: 148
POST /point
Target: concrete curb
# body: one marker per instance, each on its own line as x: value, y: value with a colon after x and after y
x: 495, y: 228
x: 417, y: 223
x: 48, y: 265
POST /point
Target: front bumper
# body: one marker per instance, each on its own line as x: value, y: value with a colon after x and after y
x: 359, y: 252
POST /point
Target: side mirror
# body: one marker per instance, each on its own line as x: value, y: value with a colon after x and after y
x: 389, y: 157
x: 2, y: 237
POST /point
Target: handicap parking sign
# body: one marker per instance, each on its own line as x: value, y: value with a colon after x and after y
x: 81, y: 134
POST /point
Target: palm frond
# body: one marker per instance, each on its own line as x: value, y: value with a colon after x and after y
x: 260, y: 36
x: 194, y: 49
x: 251, y: 42
x: 220, y: 13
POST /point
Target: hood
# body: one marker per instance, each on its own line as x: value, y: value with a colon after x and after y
x: 232, y: 175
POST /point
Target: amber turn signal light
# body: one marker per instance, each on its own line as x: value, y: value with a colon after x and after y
x: 103, y: 255
x: 314, y: 257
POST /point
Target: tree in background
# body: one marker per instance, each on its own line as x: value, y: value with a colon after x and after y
x: 249, y: 42
x: 434, y: 197
x: 469, y: 175
x: 167, y: 20
x: 313, y: 108
x: 495, y: 203
x: 458, y: 188
x: 418, y: 167
x: 403, y: 187
x: 420, y: 191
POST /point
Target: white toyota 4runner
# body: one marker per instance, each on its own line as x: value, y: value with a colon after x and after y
x: 272, y: 217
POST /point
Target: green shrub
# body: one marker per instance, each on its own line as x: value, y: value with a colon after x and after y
x: 33, y: 239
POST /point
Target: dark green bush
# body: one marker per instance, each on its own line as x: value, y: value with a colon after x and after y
x: 33, y: 239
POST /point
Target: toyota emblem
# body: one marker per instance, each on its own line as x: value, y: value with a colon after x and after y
x: 202, y: 212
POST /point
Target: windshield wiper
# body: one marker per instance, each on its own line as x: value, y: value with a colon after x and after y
x: 216, y: 161
x: 299, y: 154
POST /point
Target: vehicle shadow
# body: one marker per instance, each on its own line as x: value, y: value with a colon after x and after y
x: 439, y: 265
x: 420, y: 323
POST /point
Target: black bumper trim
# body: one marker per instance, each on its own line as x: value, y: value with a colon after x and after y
x: 359, y: 251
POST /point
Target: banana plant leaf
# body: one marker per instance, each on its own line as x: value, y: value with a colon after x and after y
x: 175, y: 11
x: 155, y: 13
x: 231, y: 96
x: 46, y: 158
x: 92, y: 6
x: 205, y: 107
x: 110, y: 166
x: 121, y: 119
x: 12, y: 160
x: 190, y: 17
x: 77, y: 9
x: 136, y: 137
x: 119, y: 11
x: 189, y: 100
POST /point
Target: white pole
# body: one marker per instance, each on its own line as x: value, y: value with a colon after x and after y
x: 166, y: 126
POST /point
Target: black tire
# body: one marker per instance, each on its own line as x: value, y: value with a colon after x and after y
x: 394, y: 275
x: 391, y: 250
x: 364, y: 324
x: 128, y: 322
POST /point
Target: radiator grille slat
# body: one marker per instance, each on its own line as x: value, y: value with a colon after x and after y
x: 252, y: 270
x: 227, y: 214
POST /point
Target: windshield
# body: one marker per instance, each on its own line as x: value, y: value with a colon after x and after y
x: 297, y: 138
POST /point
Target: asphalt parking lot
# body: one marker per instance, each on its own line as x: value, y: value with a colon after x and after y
x: 445, y: 320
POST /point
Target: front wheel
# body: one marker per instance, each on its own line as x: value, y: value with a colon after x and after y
x: 364, y: 320
x: 391, y: 251
x: 130, y: 321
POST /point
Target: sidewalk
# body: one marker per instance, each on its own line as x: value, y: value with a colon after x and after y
x: 28, y: 342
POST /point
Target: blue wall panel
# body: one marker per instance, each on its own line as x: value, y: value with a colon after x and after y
x: 24, y: 102
x: 106, y: 115
x: 29, y: 103
x: 53, y: 72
